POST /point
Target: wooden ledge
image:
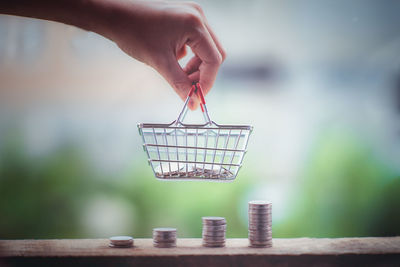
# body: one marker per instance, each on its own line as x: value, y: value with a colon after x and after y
x: 296, y: 252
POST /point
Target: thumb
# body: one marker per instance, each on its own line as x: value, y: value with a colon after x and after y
x: 178, y: 79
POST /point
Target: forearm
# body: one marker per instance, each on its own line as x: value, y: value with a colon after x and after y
x: 155, y: 32
x: 91, y: 15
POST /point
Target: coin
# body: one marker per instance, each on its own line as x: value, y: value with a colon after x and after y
x: 214, y: 221
x: 214, y: 229
x: 260, y: 223
x: 164, y: 237
x: 121, y: 241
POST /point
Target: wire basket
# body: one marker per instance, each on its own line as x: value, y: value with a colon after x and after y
x: 179, y: 151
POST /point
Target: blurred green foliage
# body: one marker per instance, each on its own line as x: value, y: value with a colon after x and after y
x: 345, y: 190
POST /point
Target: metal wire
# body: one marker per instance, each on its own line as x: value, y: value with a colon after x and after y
x: 183, y: 160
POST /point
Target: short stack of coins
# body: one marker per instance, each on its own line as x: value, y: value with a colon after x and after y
x: 164, y: 237
x: 214, y: 229
x: 260, y: 223
x: 121, y: 241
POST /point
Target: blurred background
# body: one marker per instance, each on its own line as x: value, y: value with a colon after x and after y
x: 318, y: 80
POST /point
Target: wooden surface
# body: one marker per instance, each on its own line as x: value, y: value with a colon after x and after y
x: 285, y: 252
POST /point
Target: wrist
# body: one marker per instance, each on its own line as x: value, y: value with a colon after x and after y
x: 103, y: 16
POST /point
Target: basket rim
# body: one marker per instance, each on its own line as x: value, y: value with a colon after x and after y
x: 173, y: 125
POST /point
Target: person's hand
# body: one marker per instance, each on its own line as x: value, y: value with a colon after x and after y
x: 158, y: 33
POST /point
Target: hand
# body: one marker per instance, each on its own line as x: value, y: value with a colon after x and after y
x: 158, y: 33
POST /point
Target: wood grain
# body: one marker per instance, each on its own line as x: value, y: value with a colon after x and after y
x: 382, y: 251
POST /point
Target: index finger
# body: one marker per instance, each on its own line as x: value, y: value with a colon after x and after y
x: 203, y: 45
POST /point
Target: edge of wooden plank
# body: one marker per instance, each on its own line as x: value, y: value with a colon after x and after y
x: 192, y: 247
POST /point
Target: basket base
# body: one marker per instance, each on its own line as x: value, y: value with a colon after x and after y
x: 194, y: 172
x: 195, y: 179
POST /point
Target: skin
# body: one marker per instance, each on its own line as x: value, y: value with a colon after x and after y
x: 156, y: 33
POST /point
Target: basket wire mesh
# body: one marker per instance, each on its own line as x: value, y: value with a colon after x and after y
x: 179, y: 151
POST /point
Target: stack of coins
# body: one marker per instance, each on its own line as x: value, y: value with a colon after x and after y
x: 164, y: 237
x: 121, y: 242
x: 260, y: 223
x: 214, y: 229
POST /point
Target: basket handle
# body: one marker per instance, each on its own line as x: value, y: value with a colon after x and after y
x: 196, y: 89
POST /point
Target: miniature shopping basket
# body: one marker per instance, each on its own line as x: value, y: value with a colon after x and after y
x: 179, y: 151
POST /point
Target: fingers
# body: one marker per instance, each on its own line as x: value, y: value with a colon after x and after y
x: 213, y: 36
x: 208, y: 49
x: 178, y: 79
x: 194, y: 76
x: 217, y: 43
x: 205, y: 48
x: 192, y: 65
x: 181, y: 52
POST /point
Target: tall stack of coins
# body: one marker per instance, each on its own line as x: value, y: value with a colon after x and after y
x: 164, y: 237
x: 260, y: 223
x: 214, y: 229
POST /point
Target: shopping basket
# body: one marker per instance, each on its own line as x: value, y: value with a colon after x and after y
x: 209, y: 151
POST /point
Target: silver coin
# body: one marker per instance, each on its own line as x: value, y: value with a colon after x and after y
x: 215, y: 238
x: 260, y: 238
x: 208, y: 229
x: 164, y: 235
x: 260, y: 230
x: 121, y: 240
x: 164, y: 241
x: 260, y: 221
x: 260, y: 226
x: 261, y: 246
x: 120, y: 246
x: 214, y: 220
x: 259, y: 212
x: 213, y: 234
x: 260, y: 207
x: 255, y: 212
x: 164, y: 245
x: 259, y: 203
x: 259, y: 242
x: 259, y: 233
x: 221, y: 227
x: 164, y: 229
x: 215, y: 243
x: 260, y: 215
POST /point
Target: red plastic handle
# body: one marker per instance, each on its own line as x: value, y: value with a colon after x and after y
x: 202, y: 107
x: 192, y: 90
x: 197, y: 88
x: 200, y: 93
